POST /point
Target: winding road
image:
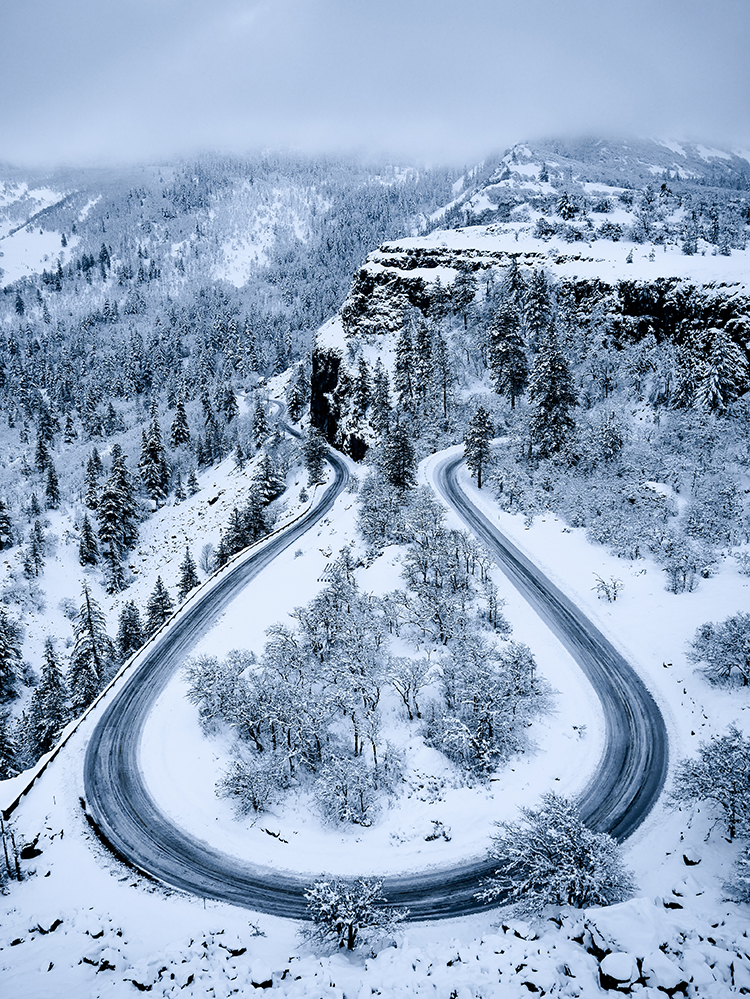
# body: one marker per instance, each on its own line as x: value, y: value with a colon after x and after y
x: 624, y: 788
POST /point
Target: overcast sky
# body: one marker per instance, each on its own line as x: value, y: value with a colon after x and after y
x: 85, y: 81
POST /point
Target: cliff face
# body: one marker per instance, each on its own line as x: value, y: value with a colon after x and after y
x: 454, y: 280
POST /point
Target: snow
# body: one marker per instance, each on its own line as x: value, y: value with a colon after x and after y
x: 31, y: 250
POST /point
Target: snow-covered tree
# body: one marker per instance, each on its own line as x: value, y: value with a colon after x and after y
x: 49, y: 709
x: 550, y: 857
x: 153, y: 466
x: 179, y: 433
x: 398, y: 461
x: 553, y: 399
x: 188, y: 576
x: 130, y: 635
x: 508, y: 364
x: 477, y: 443
x: 349, y: 913
x: 723, y: 375
x: 724, y: 649
x: 158, y: 609
x: 314, y: 450
x: 92, y: 661
x: 720, y: 776
x: 11, y: 637
x: 88, y: 549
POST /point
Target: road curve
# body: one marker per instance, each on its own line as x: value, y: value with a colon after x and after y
x: 624, y: 789
x: 631, y: 772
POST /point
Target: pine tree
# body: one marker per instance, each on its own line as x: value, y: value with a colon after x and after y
x: 254, y: 523
x: 398, y: 460
x: 723, y: 376
x: 37, y: 549
x: 192, y: 482
x: 260, y: 427
x: 69, y: 433
x: 179, y: 491
x: 267, y: 481
x: 116, y: 513
x: 537, y: 308
x: 130, y: 635
x: 49, y: 709
x: 553, y: 398
x: 88, y: 549
x: 153, y: 466
x: 9, y: 753
x: 158, y: 608
x: 93, y: 472
x: 462, y: 294
x: 314, y: 450
x: 477, y: 449
x: 179, y: 433
x: 403, y: 370
x: 507, y: 355
x: 188, y: 576
x: 297, y: 394
x: 6, y: 527
x: 41, y: 454
x: 52, y: 488
x: 92, y: 660
x: 11, y: 637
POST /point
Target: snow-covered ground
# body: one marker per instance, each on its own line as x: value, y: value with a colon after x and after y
x: 118, y: 928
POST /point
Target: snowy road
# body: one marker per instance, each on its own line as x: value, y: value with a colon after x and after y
x: 625, y: 786
x: 633, y: 767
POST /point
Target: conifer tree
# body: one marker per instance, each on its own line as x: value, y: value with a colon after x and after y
x: 93, y: 472
x: 116, y: 513
x: 260, y: 427
x: 477, y: 450
x: 403, y: 370
x: 49, y: 709
x: 553, y: 398
x: 507, y: 355
x: 11, y: 637
x: 88, y: 549
x: 179, y: 491
x: 267, y: 481
x: 9, y: 762
x: 239, y: 457
x: 188, y: 576
x: 314, y: 450
x: 192, y: 482
x: 158, y: 608
x: 92, y: 661
x: 297, y: 394
x: 41, y: 454
x: 398, y: 459
x: 69, y: 433
x: 52, y: 488
x: 153, y: 466
x: 254, y: 523
x: 130, y: 635
x: 6, y: 527
x: 723, y: 376
x: 179, y: 433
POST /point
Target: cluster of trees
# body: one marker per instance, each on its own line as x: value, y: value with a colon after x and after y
x: 64, y: 690
x: 720, y: 777
x: 307, y: 712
